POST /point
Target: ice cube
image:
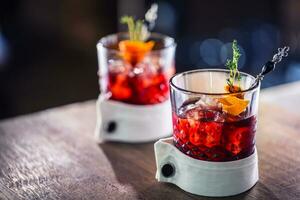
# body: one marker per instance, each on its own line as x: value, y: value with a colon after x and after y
x: 208, y: 103
x: 197, y: 111
x: 118, y: 66
x: 184, y: 110
x: 213, y: 132
x: 215, y: 116
x: 220, y: 117
x: 153, y: 61
x: 137, y: 70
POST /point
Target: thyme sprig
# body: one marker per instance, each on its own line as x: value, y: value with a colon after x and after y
x: 232, y: 65
x: 134, y: 27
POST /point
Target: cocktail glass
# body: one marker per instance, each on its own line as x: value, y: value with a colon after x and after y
x: 140, y: 78
x: 208, y: 123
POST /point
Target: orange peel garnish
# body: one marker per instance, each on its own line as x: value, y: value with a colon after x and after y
x: 233, y: 105
x: 233, y: 88
x: 134, y: 51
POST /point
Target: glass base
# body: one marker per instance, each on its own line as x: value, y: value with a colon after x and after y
x: 118, y: 121
x: 206, y: 178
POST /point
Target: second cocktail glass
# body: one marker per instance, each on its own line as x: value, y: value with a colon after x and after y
x: 133, y: 105
x: 139, y: 78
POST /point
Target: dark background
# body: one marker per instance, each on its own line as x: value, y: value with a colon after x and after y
x: 48, y: 47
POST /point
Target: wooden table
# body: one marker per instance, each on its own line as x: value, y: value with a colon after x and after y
x: 53, y: 155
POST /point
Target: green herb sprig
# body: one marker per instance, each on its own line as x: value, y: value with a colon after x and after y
x: 232, y: 65
x: 134, y: 27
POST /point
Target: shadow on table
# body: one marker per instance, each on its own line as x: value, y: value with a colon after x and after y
x: 134, y: 165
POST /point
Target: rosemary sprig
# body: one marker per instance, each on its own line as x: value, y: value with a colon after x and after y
x: 134, y: 27
x: 232, y: 65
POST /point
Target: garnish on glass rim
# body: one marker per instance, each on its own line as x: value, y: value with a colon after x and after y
x: 134, y: 27
x: 234, y: 104
x: 232, y: 65
x: 135, y: 49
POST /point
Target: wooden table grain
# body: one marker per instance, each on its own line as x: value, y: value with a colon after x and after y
x: 53, y: 155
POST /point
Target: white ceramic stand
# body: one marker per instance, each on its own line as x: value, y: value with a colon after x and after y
x: 117, y: 121
x: 214, y: 179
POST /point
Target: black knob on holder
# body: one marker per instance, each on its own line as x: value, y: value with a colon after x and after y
x: 168, y: 170
x: 111, y: 127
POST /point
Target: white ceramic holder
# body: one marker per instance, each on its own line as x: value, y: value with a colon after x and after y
x: 117, y: 121
x: 213, y: 179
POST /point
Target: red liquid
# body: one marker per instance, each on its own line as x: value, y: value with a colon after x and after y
x: 213, y: 136
x: 139, y: 85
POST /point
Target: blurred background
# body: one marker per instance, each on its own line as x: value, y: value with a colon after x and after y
x: 48, y: 48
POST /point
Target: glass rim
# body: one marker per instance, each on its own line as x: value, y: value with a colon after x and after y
x: 100, y: 42
x: 172, y: 84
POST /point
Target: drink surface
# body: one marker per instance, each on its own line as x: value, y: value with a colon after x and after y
x: 210, y: 134
x: 143, y: 84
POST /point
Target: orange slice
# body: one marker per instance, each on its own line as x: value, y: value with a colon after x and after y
x: 233, y: 105
x: 134, y: 51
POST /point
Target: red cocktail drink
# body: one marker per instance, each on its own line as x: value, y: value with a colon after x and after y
x: 210, y: 123
x: 213, y: 135
x: 143, y: 84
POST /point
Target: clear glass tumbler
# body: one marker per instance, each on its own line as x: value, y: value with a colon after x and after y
x: 210, y: 123
x: 141, y: 81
